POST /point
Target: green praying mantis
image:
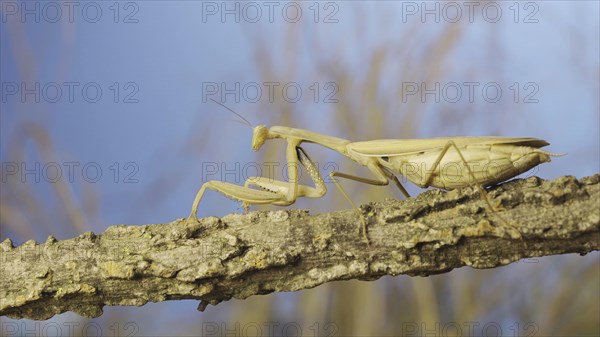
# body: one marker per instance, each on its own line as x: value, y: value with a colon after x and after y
x: 446, y: 163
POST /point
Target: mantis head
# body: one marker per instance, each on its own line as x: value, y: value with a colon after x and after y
x: 259, y: 136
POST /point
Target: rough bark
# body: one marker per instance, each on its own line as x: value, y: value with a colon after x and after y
x: 214, y: 260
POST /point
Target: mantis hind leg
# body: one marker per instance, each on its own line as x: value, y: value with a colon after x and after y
x: 473, y: 182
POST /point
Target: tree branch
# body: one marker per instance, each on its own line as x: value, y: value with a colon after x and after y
x: 238, y: 256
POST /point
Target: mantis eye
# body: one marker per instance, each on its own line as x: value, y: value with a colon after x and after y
x: 259, y: 137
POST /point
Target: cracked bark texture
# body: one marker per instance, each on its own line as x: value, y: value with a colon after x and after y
x: 237, y: 256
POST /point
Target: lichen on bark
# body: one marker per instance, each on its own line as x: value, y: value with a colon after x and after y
x: 237, y: 256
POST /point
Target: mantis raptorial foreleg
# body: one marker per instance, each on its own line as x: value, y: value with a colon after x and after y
x: 282, y: 188
x: 271, y: 191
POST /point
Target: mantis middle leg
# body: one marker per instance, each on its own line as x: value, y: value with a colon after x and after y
x: 383, y: 177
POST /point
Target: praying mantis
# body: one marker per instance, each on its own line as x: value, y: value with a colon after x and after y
x: 447, y: 163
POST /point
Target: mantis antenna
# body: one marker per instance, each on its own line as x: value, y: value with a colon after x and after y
x: 237, y: 114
